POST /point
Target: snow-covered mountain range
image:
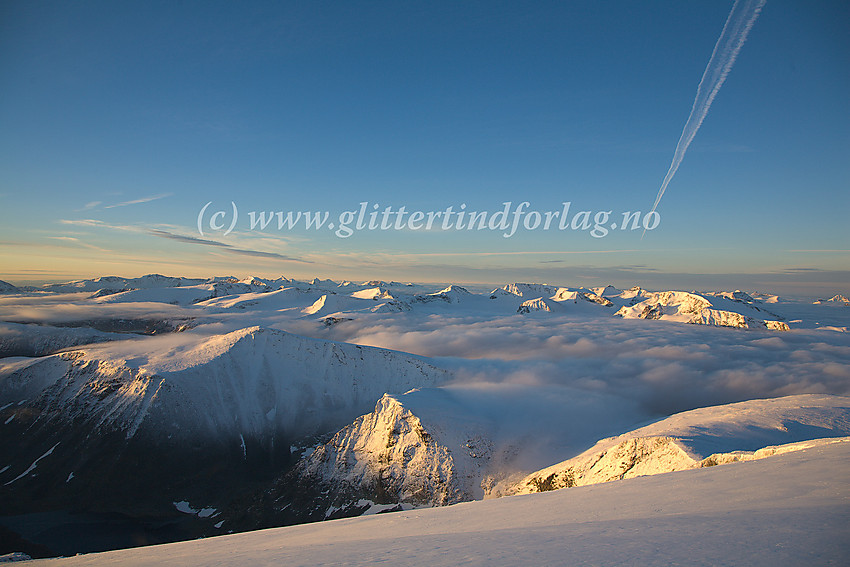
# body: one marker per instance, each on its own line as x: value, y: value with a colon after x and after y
x: 323, y: 298
x: 736, y: 309
x: 134, y: 426
x: 413, y: 452
x: 130, y: 402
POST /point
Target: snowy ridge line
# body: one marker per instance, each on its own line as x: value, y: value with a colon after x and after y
x: 144, y: 423
x: 704, y: 437
x: 647, y: 456
x: 124, y: 384
x: 409, y: 454
x: 119, y: 304
x: 701, y: 309
x: 532, y: 374
x: 390, y: 453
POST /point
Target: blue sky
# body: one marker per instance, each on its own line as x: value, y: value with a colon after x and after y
x: 120, y: 121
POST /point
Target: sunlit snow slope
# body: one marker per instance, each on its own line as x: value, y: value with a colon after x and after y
x: 786, y: 510
x: 138, y: 425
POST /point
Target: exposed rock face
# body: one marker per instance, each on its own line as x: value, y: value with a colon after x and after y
x: 596, y: 298
x: 530, y: 289
x: 452, y: 294
x: 121, y: 428
x: 700, y: 438
x: 838, y: 298
x: 699, y: 310
x: 630, y: 458
x: 531, y: 305
x: 388, y: 455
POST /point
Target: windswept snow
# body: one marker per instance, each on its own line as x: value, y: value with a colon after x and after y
x: 218, y: 385
x: 442, y: 446
x: 701, y: 437
x: 33, y: 465
x: 150, y: 421
x: 438, y: 446
x: 785, y: 510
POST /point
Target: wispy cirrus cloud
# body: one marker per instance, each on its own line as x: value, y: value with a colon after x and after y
x: 73, y: 241
x: 89, y: 206
x: 139, y: 201
x: 94, y: 223
x: 187, y: 239
x: 798, y: 270
x: 223, y: 246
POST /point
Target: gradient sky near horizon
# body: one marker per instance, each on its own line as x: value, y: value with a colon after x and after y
x: 119, y: 121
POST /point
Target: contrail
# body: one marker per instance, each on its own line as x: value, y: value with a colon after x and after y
x: 732, y: 38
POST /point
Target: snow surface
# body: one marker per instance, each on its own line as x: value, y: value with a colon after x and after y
x: 699, y: 438
x: 33, y: 465
x: 723, y: 309
x: 251, y: 381
x: 506, y: 381
x: 443, y: 445
x: 439, y: 446
x: 791, y: 509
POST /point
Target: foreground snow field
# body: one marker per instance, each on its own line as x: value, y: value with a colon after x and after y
x: 790, y: 509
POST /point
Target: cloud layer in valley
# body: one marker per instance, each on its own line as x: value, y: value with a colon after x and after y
x: 668, y: 367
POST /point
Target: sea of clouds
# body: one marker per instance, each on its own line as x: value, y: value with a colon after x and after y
x: 666, y: 366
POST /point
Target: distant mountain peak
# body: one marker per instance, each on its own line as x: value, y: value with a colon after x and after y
x: 838, y: 298
x: 6, y: 287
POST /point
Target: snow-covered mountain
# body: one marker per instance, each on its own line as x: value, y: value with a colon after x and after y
x: 134, y: 426
x: 439, y: 446
x: 429, y: 448
x: 607, y: 290
x: 838, y: 298
x: 344, y: 300
x: 699, y: 438
x: 530, y: 290
x: 433, y: 448
x: 539, y: 304
x: 6, y: 287
x: 143, y: 396
x: 249, y: 382
x: 452, y: 294
x: 387, y: 458
x: 116, y: 283
x: 721, y: 309
x: 18, y: 339
x: 548, y: 293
